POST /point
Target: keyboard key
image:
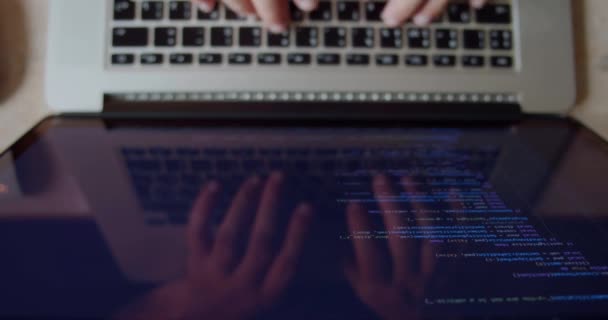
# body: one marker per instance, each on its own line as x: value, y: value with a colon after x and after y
x: 459, y: 13
x: 295, y: 12
x: 221, y: 36
x: 323, y: 12
x: 307, y: 37
x: 446, y: 38
x: 151, y: 58
x: 327, y: 59
x: 193, y: 36
x: 501, y: 39
x: 391, y: 38
x: 416, y: 60
x: 354, y: 59
x: 335, y: 37
x: 152, y: 10
x: 298, y: 58
x: 209, y: 58
x: 473, y: 61
x: 349, y: 11
x: 123, y: 59
x: 278, y: 39
x: 213, y: 15
x: 250, y: 36
x: 269, y: 58
x: 373, y: 10
x: 130, y: 37
x: 474, y: 39
x: 231, y: 15
x: 239, y: 58
x: 444, y: 60
x: 419, y: 38
x: 180, y: 58
x: 494, y: 13
x: 124, y: 10
x: 502, y: 62
x: 180, y: 10
x: 387, y: 59
x: 363, y: 37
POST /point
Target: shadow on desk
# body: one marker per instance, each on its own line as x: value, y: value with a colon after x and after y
x: 13, y: 47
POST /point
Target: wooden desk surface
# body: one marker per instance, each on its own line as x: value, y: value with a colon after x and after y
x: 23, y: 26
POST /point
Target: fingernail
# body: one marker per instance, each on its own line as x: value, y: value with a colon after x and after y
x: 276, y: 177
x: 205, y: 7
x: 390, y: 20
x: 307, y: 5
x: 255, y: 180
x: 277, y: 28
x: 477, y: 4
x: 422, y: 20
x: 213, y: 186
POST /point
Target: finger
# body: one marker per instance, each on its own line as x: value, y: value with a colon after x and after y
x: 242, y: 7
x: 260, y: 251
x: 206, y: 5
x: 432, y: 9
x: 285, y: 265
x: 200, y: 218
x: 234, y: 225
x: 402, y: 250
x: 478, y: 4
x: 368, y: 257
x: 397, y: 11
x: 307, y: 5
x: 274, y: 13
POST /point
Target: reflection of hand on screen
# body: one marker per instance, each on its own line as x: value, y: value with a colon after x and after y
x: 391, y: 285
x: 237, y: 273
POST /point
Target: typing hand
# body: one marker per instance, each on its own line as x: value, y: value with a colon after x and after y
x: 241, y: 270
x: 390, y: 284
x: 275, y: 13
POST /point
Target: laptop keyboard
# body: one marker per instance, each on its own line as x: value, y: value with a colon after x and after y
x: 176, y: 34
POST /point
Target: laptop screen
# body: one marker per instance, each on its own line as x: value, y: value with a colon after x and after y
x: 188, y: 219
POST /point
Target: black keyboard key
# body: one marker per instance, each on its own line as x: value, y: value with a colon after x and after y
x: 165, y: 37
x: 212, y: 15
x: 349, y: 11
x: 328, y: 59
x: 295, y: 12
x: 298, y: 58
x: 387, y: 59
x: 180, y: 10
x: 210, y: 58
x: 250, y: 37
x: 373, y: 10
x: 269, y: 58
x: 494, y: 13
x: 446, y: 38
x: 130, y: 37
x: 123, y: 59
x: 416, y: 60
x: 278, y: 39
x: 124, y: 9
x: 322, y: 13
x: 307, y: 37
x: 502, y: 61
x: 193, y: 36
x: 355, y: 59
x: 444, y: 60
x: 363, y: 37
x: 473, y: 61
x: 180, y: 58
x: 222, y: 36
x: 459, y: 13
x: 419, y: 38
x: 151, y: 58
x: 152, y: 10
x: 335, y: 37
x: 239, y: 58
x: 501, y: 39
x: 231, y: 15
x: 391, y: 38
x: 474, y: 39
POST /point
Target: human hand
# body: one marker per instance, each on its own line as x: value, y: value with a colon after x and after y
x: 275, y: 13
x: 391, y: 285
